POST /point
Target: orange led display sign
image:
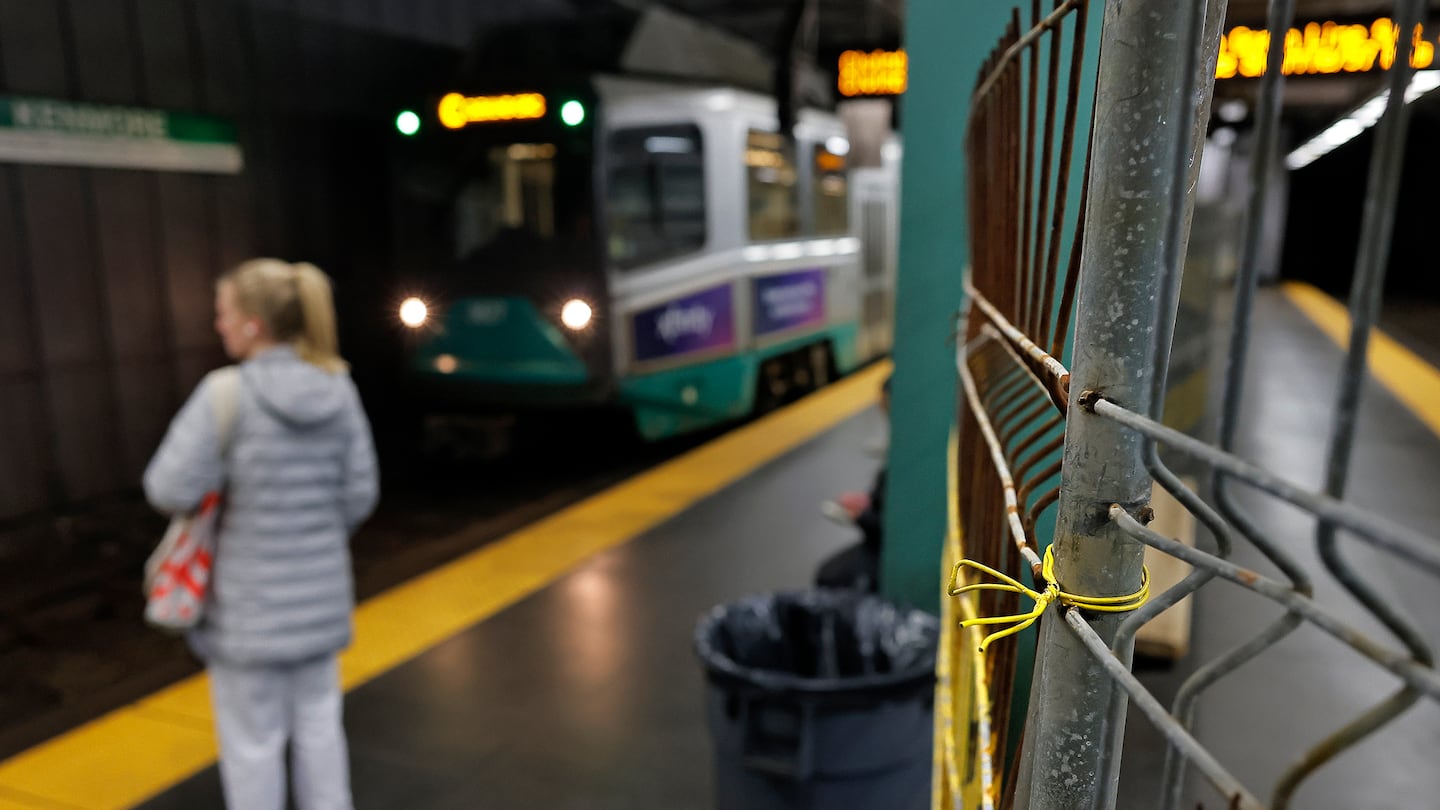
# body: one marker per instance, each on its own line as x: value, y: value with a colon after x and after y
x: 877, y: 73
x: 1321, y: 48
x: 456, y: 111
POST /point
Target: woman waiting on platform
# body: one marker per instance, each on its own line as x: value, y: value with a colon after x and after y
x: 297, y: 468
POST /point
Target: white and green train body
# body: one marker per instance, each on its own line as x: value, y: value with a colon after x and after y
x: 652, y: 246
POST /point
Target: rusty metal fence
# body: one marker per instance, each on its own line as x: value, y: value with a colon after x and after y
x: 1037, y: 442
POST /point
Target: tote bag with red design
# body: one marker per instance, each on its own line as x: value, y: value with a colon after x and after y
x: 177, y: 575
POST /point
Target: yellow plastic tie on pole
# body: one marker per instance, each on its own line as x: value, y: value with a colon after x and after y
x: 1042, y: 599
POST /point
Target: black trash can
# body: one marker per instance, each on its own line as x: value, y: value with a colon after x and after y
x: 820, y: 699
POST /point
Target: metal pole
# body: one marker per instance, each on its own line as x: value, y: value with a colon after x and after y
x: 1139, y: 95
x: 1201, y: 88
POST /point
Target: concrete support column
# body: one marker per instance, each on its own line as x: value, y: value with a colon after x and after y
x: 945, y: 39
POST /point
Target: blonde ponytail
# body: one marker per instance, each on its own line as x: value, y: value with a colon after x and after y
x: 318, y: 342
x: 295, y: 303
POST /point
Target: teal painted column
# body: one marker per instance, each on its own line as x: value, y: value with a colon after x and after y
x: 946, y: 41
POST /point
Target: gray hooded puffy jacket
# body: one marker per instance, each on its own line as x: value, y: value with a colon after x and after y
x: 299, y: 477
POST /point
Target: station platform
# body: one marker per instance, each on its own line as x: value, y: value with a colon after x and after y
x: 551, y: 668
x: 1261, y: 718
x: 555, y: 667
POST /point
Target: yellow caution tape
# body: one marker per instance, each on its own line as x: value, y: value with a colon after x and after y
x: 1042, y: 599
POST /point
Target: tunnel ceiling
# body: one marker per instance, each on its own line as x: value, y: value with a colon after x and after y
x: 843, y: 24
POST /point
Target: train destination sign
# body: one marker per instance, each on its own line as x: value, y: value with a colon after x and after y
x: 54, y: 132
x: 1322, y: 48
x: 876, y: 73
x: 456, y: 111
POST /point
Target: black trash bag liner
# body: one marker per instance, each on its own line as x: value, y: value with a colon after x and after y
x: 817, y: 641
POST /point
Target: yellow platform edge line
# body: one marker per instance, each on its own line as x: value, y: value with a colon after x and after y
x: 15, y: 800
x: 1408, y: 378
x: 140, y: 750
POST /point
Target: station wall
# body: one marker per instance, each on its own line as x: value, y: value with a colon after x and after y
x: 106, y: 274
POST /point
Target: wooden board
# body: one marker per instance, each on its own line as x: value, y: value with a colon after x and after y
x: 1168, y: 635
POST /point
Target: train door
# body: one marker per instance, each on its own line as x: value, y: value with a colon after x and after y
x: 874, y: 201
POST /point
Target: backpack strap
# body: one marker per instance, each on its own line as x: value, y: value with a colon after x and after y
x: 225, y: 399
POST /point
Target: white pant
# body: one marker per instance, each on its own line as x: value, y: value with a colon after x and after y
x: 260, y: 709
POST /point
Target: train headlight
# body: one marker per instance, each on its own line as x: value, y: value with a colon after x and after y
x: 576, y: 314
x: 414, y: 313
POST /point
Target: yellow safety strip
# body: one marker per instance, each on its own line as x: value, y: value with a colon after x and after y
x: 1408, y: 378
x: 136, y: 752
x: 12, y: 800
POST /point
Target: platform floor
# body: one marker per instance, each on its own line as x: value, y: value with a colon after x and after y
x: 588, y: 694
x: 581, y: 689
x: 1261, y: 718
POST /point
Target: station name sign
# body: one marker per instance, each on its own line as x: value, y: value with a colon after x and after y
x: 873, y: 73
x: 456, y: 110
x: 67, y: 133
x: 1322, y: 48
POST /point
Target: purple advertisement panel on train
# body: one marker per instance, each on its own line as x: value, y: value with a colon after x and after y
x: 789, y: 301
x: 701, y: 322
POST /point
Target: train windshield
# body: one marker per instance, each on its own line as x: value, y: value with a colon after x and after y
x: 655, y: 194
x: 520, y: 196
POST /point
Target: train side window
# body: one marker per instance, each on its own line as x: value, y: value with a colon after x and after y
x: 829, y: 192
x: 773, y: 200
x: 655, y: 194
